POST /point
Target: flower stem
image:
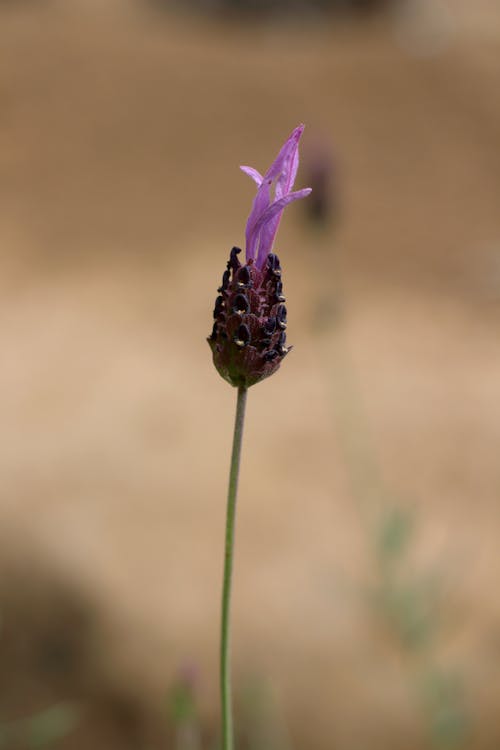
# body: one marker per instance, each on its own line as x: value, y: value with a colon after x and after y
x: 225, y: 639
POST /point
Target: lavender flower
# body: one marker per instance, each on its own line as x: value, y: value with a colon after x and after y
x: 248, y: 340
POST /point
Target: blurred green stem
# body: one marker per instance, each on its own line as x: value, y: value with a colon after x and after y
x: 225, y: 640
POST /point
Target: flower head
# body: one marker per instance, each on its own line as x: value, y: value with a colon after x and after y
x: 248, y: 338
x: 266, y: 212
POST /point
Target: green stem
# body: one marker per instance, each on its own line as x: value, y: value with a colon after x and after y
x: 225, y: 639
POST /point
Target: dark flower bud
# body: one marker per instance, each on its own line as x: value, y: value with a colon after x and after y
x: 248, y: 341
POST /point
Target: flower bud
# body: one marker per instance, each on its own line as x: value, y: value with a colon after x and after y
x: 248, y: 339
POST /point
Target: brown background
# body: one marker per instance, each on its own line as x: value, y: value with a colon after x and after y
x: 121, y: 132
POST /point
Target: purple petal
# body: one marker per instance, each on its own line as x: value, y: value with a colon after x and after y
x: 251, y: 172
x: 261, y: 202
x: 267, y: 225
x: 285, y: 156
x: 266, y: 212
x: 286, y: 179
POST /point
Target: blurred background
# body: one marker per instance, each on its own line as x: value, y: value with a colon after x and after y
x: 366, y: 606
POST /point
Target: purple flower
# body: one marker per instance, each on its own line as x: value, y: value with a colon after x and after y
x: 265, y: 216
x: 248, y: 339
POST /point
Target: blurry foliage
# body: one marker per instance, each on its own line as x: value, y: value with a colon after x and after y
x: 40, y: 730
x: 56, y: 651
x: 182, y: 704
x: 441, y: 695
x: 404, y: 598
x: 183, y: 712
x: 407, y: 601
x: 258, y: 723
x: 394, y: 535
x: 262, y: 727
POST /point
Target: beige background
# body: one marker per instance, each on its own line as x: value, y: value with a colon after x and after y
x: 121, y: 133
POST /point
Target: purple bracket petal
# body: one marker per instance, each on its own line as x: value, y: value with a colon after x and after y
x: 251, y: 172
x: 267, y: 225
x: 261, y: 202
x: 286, y: 152
x: 266, y: 212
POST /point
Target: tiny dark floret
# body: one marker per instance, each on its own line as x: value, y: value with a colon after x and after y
x: 241, y: 304
x: 219, y: 306
x: 279, y: 292
x: 244, y: 277
x: 243, y: 336
x: 282, y: 343
x: 273, y: 262
x: 281, y: 314
x: 225, y: 281
x: 269, y: 326
x: 233, y: 261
